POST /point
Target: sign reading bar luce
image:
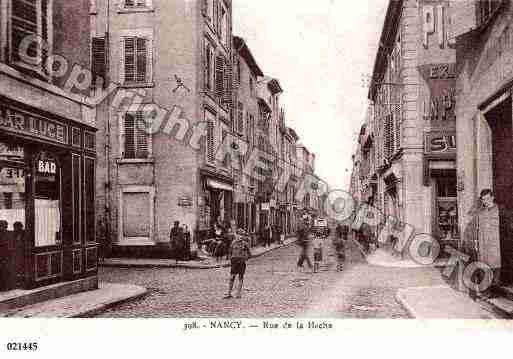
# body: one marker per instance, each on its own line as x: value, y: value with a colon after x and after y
x: 21, y: 122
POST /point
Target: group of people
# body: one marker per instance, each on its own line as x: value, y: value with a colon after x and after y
x: 305, y: 237
x: 11, y: 255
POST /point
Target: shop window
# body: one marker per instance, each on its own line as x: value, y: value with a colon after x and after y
x: 76, y: 138
x: 76, y: 187
x: 47, y: 198
x: 446, y: 186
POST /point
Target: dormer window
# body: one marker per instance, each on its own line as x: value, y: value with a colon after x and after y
x: 30, y: 34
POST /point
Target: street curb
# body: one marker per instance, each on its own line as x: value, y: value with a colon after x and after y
x: 142, y: 292
x: 187, y: 266
x: 408, y: 308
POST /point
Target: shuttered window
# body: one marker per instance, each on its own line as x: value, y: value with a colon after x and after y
x: 219, y: 77
x: 99, y: 60
x: 135, y: 3
x: 388, y: 136
x: 136, y: 136
x: 240, y: 118
x: 397, y: 126
x: 31, y: 18
x: 137, y: 58
x: 228, y: 84
x: 208, y: 64
x: 210, y: 140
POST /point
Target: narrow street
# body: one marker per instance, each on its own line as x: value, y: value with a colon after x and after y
x: 273, y: 288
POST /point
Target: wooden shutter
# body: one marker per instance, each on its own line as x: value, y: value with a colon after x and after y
x: 24, y: 23
x: 210, y: 141
x: 99, y: 58
x: 129, y: 65
x: 389, y: 136
x: 227, y: 91
x: 129, y: 134
x: 397, y: 126
x: 219, y: 67
x: 142, y: 149
x: 141, y: 59
x: 240, y: 118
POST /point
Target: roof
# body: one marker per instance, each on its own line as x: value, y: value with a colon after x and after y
x: 387, y: 38
x: 244, y: 51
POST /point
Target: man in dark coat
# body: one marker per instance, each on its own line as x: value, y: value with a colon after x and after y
x: 177, y: 242
x: 7, y: 258
x: 303, y: 233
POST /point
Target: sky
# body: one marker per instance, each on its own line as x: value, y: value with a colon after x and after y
x: 319, y: 51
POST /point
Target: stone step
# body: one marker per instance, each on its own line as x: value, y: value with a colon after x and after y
x: 502, y: 305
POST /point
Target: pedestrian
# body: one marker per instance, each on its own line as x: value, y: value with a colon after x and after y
x: 317, y: 252
x: 229, y: 238
x: 483, y: 237
x: 304, y: 243
x: 239, y: 254
x: 176, y: 239
x: 18, y: 236
x: 187, y: 243
x: 340, y: 248
x: 6, y: 256
x: 101, y: 237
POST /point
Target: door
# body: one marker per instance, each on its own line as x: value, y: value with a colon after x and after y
x: 500, y: 122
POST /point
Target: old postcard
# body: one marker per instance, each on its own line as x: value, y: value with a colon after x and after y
x: 245, y: 167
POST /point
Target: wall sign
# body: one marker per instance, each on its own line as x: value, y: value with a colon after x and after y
x: 436, y: 22
x: 440, y: 142
x: 441, y: 81
x: 21, y: 122
x: 46, y: 167
x: 11, y: 152
x: 185, y: 201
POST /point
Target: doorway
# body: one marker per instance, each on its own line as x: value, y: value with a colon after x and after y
x: 500, y: 121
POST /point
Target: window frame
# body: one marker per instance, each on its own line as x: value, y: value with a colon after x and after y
x: 209, y: 53
x: 6, y: 41
x: 122, y: 241
x: 147, y: 7
x: 148, y: 35
x: 134, y: 109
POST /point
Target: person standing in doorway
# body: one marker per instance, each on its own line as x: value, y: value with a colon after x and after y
x: 483, y: 234
x: 176, y: 238
x: 239, y: 254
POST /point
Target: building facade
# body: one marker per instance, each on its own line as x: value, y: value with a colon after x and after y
x: 484, y: 36
x: 47, y: 146
x: 407, y: 148
x: 171, y: 91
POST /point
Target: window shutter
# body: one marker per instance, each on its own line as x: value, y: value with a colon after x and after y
x: 24, y: 23
x: 228, y: 84
x: 98, y: 62
x: 122, y: 61
x: 142, y: 136
x: 397, y: 127
x: 240, y: 118
x: 130, y: 144
x: 219, y: 77
x: 129, y: 59
x: 210, y: 142
x: 142, y: 55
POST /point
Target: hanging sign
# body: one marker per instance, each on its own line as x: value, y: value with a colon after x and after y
x: 441, y: 80
x: 46, y: 167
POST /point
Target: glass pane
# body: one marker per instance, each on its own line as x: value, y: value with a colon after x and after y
x: 89, y: 182
x: 47, y: 226
x: 12, y: 197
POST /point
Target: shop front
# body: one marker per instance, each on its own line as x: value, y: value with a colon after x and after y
x: 440, y: 176
x: 47, y: 198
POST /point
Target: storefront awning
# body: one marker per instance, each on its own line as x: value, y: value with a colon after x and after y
x: 219, y: 185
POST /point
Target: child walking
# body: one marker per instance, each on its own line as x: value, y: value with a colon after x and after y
x: 317, y: 248
x: 239, y: 254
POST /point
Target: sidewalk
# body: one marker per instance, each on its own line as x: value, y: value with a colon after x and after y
x: 83, y: 304
x: 442, y: 302
x: 382, y: 257
x: 205, y: 262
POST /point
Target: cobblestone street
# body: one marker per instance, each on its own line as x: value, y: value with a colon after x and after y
x: 273, y: 288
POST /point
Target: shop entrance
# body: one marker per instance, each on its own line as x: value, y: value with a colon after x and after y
x: 500, y: 121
